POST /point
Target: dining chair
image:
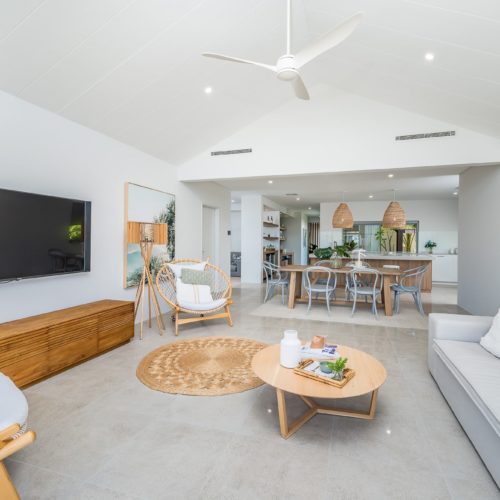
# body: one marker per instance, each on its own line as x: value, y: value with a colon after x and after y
x: 323, y: 263
x: 415, y: 289
x: 367, y: 283
x: 326, y: 286
x: 275, y: 278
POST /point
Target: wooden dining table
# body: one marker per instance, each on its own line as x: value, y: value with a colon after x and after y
x: 297, y: 294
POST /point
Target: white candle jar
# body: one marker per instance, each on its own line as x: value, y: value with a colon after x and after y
x: 290, y: 349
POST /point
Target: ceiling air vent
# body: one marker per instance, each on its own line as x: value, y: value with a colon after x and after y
x: 427, y: 135
x: 292, y: 194
x: 231, y: 152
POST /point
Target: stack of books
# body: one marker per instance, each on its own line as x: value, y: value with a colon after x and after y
x: 327, y: 352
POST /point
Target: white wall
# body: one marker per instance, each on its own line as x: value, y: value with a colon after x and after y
x: 479, y: 241
x: 235, y: 230
x: 438, y: 220
x: 337, y: 132
x: 251, y: 239
x: 44, y: 153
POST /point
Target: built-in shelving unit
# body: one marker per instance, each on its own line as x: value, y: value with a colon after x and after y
x: 271, y: 236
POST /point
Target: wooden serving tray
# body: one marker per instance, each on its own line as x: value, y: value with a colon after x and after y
x: 348, y: 374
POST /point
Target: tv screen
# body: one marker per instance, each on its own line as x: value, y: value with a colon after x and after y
x: 42, y: 235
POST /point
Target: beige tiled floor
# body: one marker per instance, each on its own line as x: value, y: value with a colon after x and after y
x: 103, y: 435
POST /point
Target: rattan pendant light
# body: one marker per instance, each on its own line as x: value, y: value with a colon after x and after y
x: 394, y: 216
x: 342, y: 217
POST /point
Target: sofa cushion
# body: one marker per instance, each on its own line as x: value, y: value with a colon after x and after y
x: 491, y: 341
x: 478, y: 372
x: 13, y: 404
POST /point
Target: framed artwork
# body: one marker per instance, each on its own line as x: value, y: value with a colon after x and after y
x: 143, y: 204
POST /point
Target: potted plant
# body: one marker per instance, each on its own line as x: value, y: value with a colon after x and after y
x: 323, y: 253
x: 430, y: 245
x: 336, y: 368
x: 345, y: 249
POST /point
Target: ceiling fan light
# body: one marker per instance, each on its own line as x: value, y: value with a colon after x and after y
x: 394, y: 216
x: 342, y: 217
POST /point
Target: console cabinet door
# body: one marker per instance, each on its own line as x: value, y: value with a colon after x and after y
x: 25, y: 357
x: 116, y: 327
x: 72, y: 341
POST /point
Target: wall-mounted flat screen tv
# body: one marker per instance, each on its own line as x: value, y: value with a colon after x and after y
x: 42, y: 235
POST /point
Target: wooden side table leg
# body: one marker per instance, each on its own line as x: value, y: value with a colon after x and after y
x: 283, y: 418
x: 291, y: 289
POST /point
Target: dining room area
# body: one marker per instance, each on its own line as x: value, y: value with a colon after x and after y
x: 382, y: 251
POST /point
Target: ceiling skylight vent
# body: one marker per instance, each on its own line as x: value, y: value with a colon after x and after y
x: 231, y: 152
x: 428, y: 135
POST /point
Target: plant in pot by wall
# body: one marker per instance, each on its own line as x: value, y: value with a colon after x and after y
x: 323, y: 253
x: 336, y: 368
x: 380, y: 236
x: 430, y: 245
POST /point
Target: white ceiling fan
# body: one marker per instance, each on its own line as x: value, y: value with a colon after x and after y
x: 287, y: 67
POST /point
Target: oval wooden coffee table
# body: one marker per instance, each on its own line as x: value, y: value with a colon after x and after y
x: 370, y: 375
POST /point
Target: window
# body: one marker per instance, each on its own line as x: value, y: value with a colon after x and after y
x: 372, y: 237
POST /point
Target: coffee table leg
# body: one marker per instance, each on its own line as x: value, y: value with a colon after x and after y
x: 367, y: 415
x: 285, y: 429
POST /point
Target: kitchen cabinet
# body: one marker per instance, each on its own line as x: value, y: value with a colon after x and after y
x: 445, y: 268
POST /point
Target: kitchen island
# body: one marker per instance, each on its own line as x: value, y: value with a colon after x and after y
x: 405, y: 261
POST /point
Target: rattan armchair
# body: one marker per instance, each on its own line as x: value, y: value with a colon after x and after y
x: 220, y: 288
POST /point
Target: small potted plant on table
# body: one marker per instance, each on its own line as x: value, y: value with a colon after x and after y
x: 336, y: 368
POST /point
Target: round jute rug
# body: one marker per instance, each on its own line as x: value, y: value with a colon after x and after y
x: 208, y: 366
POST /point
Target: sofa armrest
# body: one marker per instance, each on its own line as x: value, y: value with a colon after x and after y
x: 458, y: 327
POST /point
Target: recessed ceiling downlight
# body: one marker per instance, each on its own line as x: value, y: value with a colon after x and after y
x: 298, y: 199
x: 429, y: 56
x: 390, y: 176
x: 208, y: 90
x: 455, y: 193
x: 370, y: 196
x: 270, y: 181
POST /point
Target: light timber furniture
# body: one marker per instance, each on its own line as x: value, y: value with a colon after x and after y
x: 370, y: 375
x: 403, y: 262
x: 9, y: 444
x: 220, y: 289
x: 146, y: 235
x: 35, y: 347
x: 297, y: 293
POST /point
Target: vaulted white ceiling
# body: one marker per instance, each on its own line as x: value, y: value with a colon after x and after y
x: 132, y: 69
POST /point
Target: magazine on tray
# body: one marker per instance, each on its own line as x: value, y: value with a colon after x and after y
x: 329, y: 351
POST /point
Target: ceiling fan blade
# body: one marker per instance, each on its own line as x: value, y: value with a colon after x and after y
x: 332, y: 39
x: 300, y: 89
x: 238, y: 60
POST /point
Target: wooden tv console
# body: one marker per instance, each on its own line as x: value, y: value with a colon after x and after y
x: 33, y: 348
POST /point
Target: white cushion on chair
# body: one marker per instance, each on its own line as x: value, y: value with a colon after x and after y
x: 203, y: 306
x: 13, y: 404
x: 196, y: 297
x: 177, y: 268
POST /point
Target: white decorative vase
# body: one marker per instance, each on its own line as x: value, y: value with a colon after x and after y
x: 290, y: 349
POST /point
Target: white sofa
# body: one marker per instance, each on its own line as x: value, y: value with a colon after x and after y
x: 469, y: 378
